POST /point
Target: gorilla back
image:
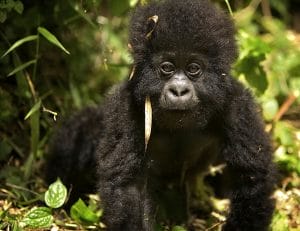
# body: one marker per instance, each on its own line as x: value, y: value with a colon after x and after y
x: 182, y: 53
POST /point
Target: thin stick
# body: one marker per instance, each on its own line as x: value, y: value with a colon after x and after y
x: 285, y: 107
x: 229, y: 7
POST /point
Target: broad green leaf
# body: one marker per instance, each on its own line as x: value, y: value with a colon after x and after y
x: 3, y: 16
x: 132, y: 3
x: 19, y: 7
x: 19, y: 43
x: 37, y: 218
x: 295, y: 86
x: 51, y: 38
x: 118, y: 7
x: 270, y: 108
x: 283, y: 132
x: 280, y: 222
x: 22, y: 67
x: 254, y: 73
x: 80, y: 212
x: 56, y: 194
x: 35, y: 107
x: 178, y: 228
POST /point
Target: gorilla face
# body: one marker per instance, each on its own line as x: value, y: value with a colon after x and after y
x: 183, y: 88
x: 178, y: 73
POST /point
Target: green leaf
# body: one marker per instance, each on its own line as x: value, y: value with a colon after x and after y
x: 254, y: 72
x: 118, y: 7
x: 22, y: 67
x: 35, y: 107
x: 51, y: 38
x: 270, y: 108
x: 178, y: 228
x: 295, y: 86
x: 280, y: 222
x: 284, y: 133
x: 80, y: 212
x: 37, y: 218
x: 132, y: 3
x: 56, y: 194
x: 19, y: 43
x: 3, y: 16
x: 19, y: 7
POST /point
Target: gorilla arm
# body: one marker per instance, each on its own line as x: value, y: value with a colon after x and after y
x: 121, y: 164
x: 248, y: 154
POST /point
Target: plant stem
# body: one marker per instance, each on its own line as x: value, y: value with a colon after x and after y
x: 229, y: 7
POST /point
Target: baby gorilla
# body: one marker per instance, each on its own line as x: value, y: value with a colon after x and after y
x: 182, y: 53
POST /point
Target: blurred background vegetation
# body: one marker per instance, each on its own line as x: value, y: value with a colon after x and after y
x: 59, y: 56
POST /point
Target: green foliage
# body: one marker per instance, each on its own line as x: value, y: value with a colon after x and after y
x: 37, y: 218
x: 56, y: 195
x: 178, y: 228
x: 51, y: 38
x: 19, y: 43
x: 9, y: 5
x: 280, y: 222
x: 82, y: 213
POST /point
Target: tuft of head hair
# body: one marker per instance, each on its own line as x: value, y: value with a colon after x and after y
x: 183, y: 25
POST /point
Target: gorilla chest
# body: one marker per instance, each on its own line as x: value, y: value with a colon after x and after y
x: 172, y: 154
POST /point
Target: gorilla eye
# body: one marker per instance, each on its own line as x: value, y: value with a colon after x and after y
x: 167, y: 68
x: 194, y: 69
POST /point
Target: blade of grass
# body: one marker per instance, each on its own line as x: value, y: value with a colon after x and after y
x: 21, y: 67
x: 51, y: 38
x: 34, y: 138
x: 82, y: 14
x: 19, y: 43
x: 35, y: 107
x: 229, y: 7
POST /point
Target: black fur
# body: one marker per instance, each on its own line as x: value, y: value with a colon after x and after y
x: 225, y: 124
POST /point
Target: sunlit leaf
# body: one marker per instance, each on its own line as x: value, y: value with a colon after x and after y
x: 295, y: 86
x: 284, y: 133
x: 270, y: 108
x: 178, y: 228
x: 56, y: 194
x: 280, y: 222
x: 19, y: 43
x: 81, y: 212
x: 132, y: 3
x: 22, y: 67
x: 51, y: 38
x: 38, y: 218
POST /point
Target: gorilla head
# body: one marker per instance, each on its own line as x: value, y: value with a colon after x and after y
x: 182, y: 54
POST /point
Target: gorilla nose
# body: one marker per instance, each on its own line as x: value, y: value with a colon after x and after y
x: 179, y: 91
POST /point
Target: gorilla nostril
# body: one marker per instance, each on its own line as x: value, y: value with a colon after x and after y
x: 174, y: 92
x: 184, y: 92
x: 178, y: 92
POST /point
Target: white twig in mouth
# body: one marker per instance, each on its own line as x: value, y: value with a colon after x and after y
x: 132, y: 73
x: 148, y: 120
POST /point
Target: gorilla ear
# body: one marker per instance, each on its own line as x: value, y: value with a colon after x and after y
x: 151, y: 25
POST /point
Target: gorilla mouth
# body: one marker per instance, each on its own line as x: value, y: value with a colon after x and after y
x: 179, y: 105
